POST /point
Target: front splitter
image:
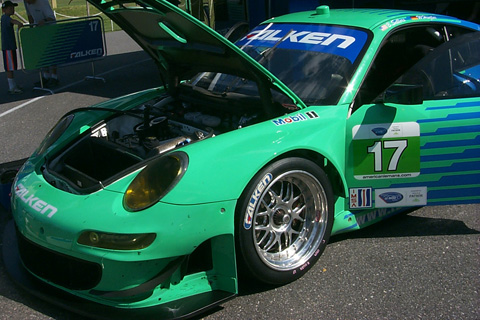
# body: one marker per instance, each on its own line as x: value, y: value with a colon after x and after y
x: 178, y: 309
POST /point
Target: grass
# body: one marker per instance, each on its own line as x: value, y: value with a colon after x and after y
x: 67, y: 9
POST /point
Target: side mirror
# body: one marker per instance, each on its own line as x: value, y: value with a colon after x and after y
x: 403, y: 94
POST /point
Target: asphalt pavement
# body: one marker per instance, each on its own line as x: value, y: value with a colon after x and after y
x: 425, y: 265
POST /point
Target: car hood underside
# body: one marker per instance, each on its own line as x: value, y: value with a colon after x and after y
x: 182, y: 46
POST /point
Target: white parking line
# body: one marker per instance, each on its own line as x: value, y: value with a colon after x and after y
x: 20, y: 106
x: 68, y: 86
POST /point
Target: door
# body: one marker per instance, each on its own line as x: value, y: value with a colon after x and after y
x: 419, y: 144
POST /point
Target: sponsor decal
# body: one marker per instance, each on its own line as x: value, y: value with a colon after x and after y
x: 307, y: 37
x: 100, y: 132
x: 380, y: 131
x: 339, y: 41
x: 33, y: 202
x: 311, y: 114
x: 400, y: 197
x: 252, y: 204
x: 392, y: 23
x: 390, y: 130
x: 423, y: 17
x: 386, y: 150
x: 291, y: 119
x: 87, y: 53
x: 360, y: 198
x: 395, y: 22
x: 391, y: 197
x: 376, y: 214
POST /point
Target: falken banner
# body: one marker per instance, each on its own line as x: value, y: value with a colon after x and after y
x: 63, y: 42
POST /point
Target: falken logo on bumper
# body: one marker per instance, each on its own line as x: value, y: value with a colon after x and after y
x: 34, y: 202
x: 296, y: 118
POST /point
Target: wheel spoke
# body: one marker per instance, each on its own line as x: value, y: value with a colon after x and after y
x: 265, y: 235
x: 274, y: 239
x: 261, y: 227
x: 297, y: 212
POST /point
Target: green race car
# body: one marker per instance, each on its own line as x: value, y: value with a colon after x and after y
x: 249, y: 157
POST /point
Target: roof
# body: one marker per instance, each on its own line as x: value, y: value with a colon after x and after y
x: 362, y: 18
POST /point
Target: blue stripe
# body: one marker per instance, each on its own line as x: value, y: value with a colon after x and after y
x: 466, y: 154
x: 453, y: 130
x: 453, y: 143
x: 456, y: 106
x: 451, y: 117
x: 456, y: 167
x: 450, y: 202
x: 453, y: 193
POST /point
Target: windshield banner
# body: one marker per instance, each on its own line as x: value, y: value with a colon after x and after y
x: 339, y: 41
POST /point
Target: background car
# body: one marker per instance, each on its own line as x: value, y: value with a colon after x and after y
x: 144, y: 203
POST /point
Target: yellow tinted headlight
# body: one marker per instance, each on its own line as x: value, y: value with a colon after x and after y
x: 116, y: 241
x: 155, y: 181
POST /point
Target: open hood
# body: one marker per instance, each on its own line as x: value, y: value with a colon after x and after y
x: 183, y: 46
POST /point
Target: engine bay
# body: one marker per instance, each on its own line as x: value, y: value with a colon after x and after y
x: 127, y: 138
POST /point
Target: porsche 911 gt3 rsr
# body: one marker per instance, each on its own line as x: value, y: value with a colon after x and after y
x: 249, y: 157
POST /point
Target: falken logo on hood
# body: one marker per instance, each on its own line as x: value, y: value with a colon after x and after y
x: 33, y: 202
x: 254, y: 199
x: 379, y: 131
x: 296, y: 118
x: 391, y: 197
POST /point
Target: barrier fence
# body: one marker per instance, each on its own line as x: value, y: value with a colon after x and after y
x: 62, y: 43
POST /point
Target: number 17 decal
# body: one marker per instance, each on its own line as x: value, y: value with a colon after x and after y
x: 386, y: 151
x: 377, y: 150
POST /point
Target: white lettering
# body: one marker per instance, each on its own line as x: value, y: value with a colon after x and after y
x: 347, y: 40
x: 306, y: 37
x: 272, y: 37
x: 314, y: 37
x: 34, y: 202
x: 293, y: 37
x: 86, y: 53
x: 262, y: 34
x: 52, y: 209
x: 39, y: 205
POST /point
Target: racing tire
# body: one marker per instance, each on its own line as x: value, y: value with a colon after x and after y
x: 284, y: 219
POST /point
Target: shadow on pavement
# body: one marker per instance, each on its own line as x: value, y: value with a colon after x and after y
x: 405, y: 225
x: 123, y: 73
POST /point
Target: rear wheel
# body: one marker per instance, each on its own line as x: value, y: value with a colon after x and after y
x: 284, y: 219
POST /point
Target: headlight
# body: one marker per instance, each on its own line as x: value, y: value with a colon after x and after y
x: 55, y: 133
x: 155, y: 181
x: 116, y: 241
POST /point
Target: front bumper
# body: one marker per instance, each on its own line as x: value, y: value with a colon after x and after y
x: 167, y: 279
x: 182, y: 308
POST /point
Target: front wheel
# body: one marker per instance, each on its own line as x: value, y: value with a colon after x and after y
x: 283, y: 221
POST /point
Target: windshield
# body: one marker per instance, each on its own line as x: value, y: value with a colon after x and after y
x: 315, y: 61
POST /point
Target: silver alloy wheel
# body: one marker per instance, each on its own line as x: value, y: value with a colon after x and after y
x: 290, y: 220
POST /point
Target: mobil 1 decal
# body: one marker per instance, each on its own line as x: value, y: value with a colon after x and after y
x: 386, y: 150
